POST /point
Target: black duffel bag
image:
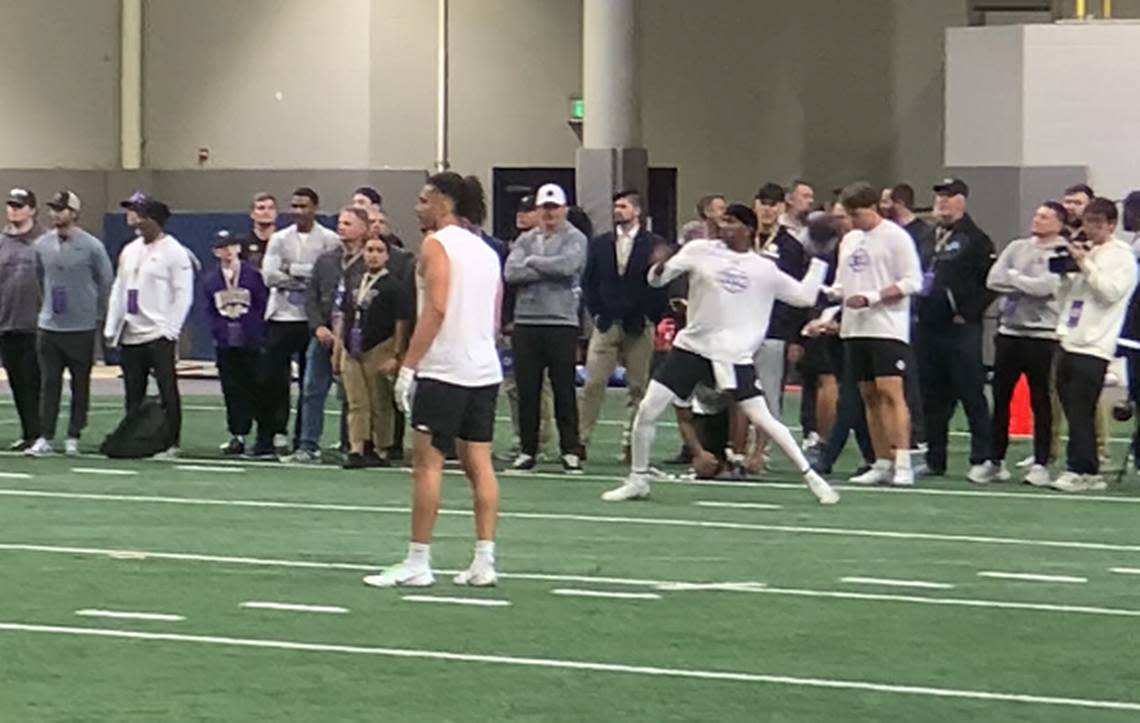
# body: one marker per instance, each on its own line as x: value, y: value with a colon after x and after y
x: 142, y: 433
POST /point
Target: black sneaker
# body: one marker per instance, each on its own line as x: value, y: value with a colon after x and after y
x: 375, y: 460
x: 20, y: 445
x: 355, y: 461
x: 524, y: 463
x: 233, y: 448
x: 396, y: 453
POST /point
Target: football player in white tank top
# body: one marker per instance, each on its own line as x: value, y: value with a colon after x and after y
x: 450, y: 378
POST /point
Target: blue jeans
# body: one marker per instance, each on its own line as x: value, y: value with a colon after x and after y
x: 314, y: 392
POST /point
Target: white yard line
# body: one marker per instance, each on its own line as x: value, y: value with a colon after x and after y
x: 586, y: 666
x: 738, y: 505
x: 105, y: 471
x: 1032, y: 577
x: 956, y: 602
x: 608, y: 594
x: 218, y: 469
x: 128, y: 615
x: 892, y: 582
x: 15, y: 475
x: 595, y: 519
x: 473, y: 601
x: 1125, y: 570
x: 293, y: 607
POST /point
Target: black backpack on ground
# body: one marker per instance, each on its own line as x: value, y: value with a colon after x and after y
x: 142, y: 433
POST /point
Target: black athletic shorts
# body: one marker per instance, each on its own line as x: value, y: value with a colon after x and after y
x: 867, y: 358
x: 817, y: 358
x: 448, y: 412
x: 683, y: 370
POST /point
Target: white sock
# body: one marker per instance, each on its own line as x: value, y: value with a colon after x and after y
x: 902, y: 460
x: 485, y: 552
x: 883, y: 464
x: 419, y: 554
x: 657, y: 399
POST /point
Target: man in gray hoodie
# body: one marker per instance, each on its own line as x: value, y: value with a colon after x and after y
x: 19, y: 309
x: 544, y: 265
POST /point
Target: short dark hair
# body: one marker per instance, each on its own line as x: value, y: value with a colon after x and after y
x: 704, y: 203
x: 1059, y: 209
x: 262, y: 196
x: 630, y: 195
x: 797, y: 183
x: 771, y: 192
x: 450, y: 184
x: 371, y: 194
x: 577, y: 217
x: 1101, y: 206
x: 859, y: 195
x: 309, y: 194
x: 903, y: 194
x: 360, y: 213
x: 1080, y: 188
x: 387, y: 245
x: 743, y: 214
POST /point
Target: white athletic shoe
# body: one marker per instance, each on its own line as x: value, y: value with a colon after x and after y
x: 1027, y: 462
x: 524, y: 463
x: 903, y: 477
x: 984, y: 473
x: 480, y: 574
x: 879, y: 474
x: 636, y: 487
x: 821, y: 489
x: 71, y: 447
x: 1070, y: 482
x: 810, y: 441
x: 403, y: 574
x: 1038, y: 476
x: 168, y: 455
x: 40, y: 448
x: 1094, y: 482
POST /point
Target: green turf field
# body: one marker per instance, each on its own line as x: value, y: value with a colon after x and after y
x: 873, y: 610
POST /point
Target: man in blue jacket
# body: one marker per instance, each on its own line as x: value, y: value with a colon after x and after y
x: 625, y: 310
x: 235, y: 301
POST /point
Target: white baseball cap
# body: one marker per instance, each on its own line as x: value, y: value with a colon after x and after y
x: 550, y: 194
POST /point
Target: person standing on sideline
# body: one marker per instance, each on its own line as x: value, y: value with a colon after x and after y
x: 1026, y: 341
x: 949, y: 343
x: 149, y: 302
x: 715, y: 347
x: 545, y: 264
x: 625, y: 310
x: 710, y: 209
x: 330, y: 278
x: 263, y: 215
x: 878, y: 272
x: 287, y: 266
x: 1097, y: 294
x: 376, y: 315
x: 449, y: 381
x: 76, y: 278
x: 20, y: 300
x: 1075, y: 201
x: 235, y: 298
x: 798, y: 204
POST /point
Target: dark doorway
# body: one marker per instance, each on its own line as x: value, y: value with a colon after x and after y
x: 509, y: 185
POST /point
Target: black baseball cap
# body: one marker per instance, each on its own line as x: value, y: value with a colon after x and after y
x: 526, y: 204
x: 771, y: 193
x: 223, y: 239
x: 952, y: 187
x: 156, y: 211
x: 742, y: 214
x: 21, y: 197
x: 135, y: 200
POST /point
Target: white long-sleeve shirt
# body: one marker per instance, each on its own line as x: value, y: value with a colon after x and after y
x: 1096, y: 301
x: 870, y: 261
x: 731, y: 296
x: 162, y: 277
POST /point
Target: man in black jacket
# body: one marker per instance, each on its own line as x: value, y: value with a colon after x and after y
x: 949, y: 345
x: 625, y: 310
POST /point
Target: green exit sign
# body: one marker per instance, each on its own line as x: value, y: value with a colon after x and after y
x: 577, y: 108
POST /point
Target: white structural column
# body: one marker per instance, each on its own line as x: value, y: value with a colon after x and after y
x: 130, y: 84
x: 611, y: 157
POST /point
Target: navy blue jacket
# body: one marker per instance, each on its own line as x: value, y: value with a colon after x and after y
x: 251, y: 316
x: 627, y: 299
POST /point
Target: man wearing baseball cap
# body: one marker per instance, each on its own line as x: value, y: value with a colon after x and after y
x: 149, y: 302
x: 19, y: 307
x: 544, y: 265
x: 77, y: 278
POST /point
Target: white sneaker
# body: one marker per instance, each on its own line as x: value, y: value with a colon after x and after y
x: 1038, y: 476
x: 480, y: 574
x: 403, y: 574
x: 1070, y: 482
x: 71, y: 447
x: 168, y: 455
x: 302, y: 456
x: 879, y: 474
x: 1027, y: 462
x: 1003, y: 473
x: 524, y: 463
x: 984, y: 473
x: 1094, y: 482
x: 812, y: 440
x: 634, y: 488
x: 903, y: 477
x: 40, y: 448
x: 821, y: 489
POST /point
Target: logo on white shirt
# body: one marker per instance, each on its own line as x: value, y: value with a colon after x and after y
x: 732, y: 280
x: 859, y: 261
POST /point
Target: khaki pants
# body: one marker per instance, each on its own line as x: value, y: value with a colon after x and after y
x: 371, y: 415
x: 607, y: 349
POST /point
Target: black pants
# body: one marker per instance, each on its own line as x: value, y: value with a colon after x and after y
x: 912, y: 392
x: 553, y: 349
x: 851, y: 415
x: 1014, y: 356
x: 1080, y: 379
x: 74, y: 351
x: 240, y: 374
x: 155, y: 357
x: 284, y: 340
x: 950, y: 366
x: 18, y: 349
x: 1133, y: 359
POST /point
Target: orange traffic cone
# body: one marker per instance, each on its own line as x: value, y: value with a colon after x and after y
x: 1020, y: 412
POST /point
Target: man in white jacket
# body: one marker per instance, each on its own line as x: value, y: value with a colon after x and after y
x: 149, y: 302
x: 1093, y: 308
